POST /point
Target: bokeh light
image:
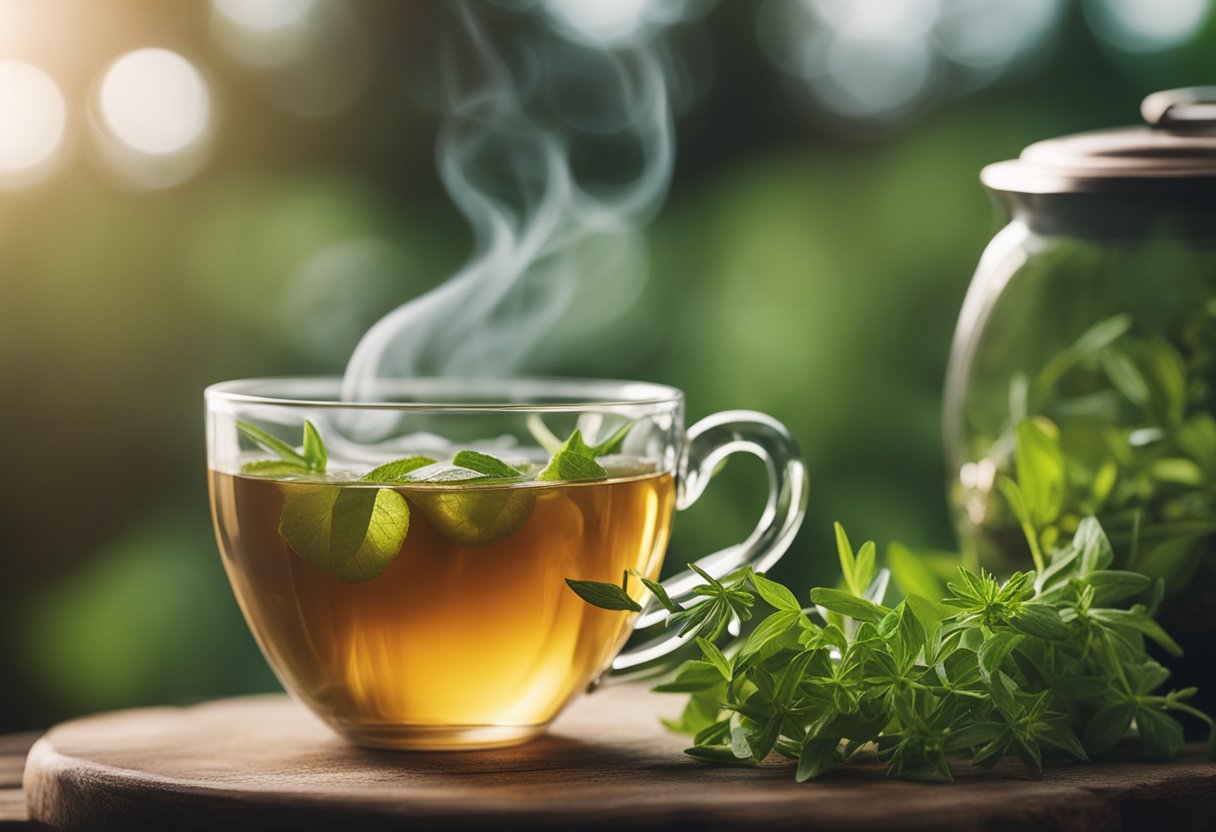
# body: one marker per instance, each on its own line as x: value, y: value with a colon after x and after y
x: 264, y: 15
x: 988, y: 36
x: 264, y: 33
x: 1147, y: 25
x: 877, y: 17
x: 153, y: 116
x: 605, y: 21
x: 875, y: 74
x: 154, y: 101
x: 614, y: 23
x: 32, y: 119
x: 310, y: 59
x: 882, y: 60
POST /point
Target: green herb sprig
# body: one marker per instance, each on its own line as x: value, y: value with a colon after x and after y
x: 1119, y: 426
x: 355, y: 533
x: 312, y: 459
x: 1044, y: 662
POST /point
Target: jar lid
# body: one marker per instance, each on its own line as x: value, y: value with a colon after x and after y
x: 1176, y: 151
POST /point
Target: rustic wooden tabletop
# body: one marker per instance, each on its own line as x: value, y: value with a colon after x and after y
x: 264, y: 762
x: 13, y: 748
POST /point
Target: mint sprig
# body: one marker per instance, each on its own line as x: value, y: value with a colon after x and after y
x: 274, y: 468
x: 485, y: 464
x: 398, y: 470
x: 355, y: 533
x: 575, y: 459
x: 291, y: 462
x: 352, y: 533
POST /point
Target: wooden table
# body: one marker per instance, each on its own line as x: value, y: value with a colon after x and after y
x: 12, y: 761
x: 265, y: 762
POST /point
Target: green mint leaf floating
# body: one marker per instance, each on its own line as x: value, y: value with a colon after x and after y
x: 291, y: 463
x: 575, y: 460
x: 314, y: 449
x: 470, y: 517
x: 484, y: 463
x: 398, y: 470
x: 272, y: 444
x: 576, y: 444
x: 443, y: 473
x: 606, y: 596
x: 352, y: 533
x: 569, y: 466
x: 474, y: 517
x: 274, y: 468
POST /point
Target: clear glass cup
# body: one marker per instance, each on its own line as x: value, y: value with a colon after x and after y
x: 449, y: 624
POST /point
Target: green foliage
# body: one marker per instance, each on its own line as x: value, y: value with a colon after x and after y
x: 918, y: 573
x: 476, y: 517
x: 605, y: 596
x: 398, y: 470
x: 1116, y: 425
x: 1040, y: 663
x: 484, y: 464
x: 355, y: 533
x: 290, y: 461
x: 315, y: 455
x: 574, y: 460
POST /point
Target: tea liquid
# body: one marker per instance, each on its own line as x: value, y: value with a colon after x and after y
x: 450, y: 634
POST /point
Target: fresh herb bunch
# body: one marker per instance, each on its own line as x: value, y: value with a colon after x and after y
x: 1045, y: 661
x: 1115, y: 425
x: 355, y: 533
x: 1118, y: 424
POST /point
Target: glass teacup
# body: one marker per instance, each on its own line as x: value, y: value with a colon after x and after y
x: 415, y: 598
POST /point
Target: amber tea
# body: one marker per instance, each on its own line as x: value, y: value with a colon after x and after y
x: 458, y: 638
x: 416, y: 567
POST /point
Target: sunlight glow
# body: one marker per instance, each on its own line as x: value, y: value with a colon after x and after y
x: 32, y: 119
x: 1147, y: 25
x: 264, y: 15
x: 876, y: 60
x: 155, y: 102
x: 603, y: 21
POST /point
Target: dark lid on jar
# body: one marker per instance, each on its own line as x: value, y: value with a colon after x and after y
x: 1175, y: 152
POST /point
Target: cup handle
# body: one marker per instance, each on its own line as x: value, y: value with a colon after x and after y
x: 708, y: 443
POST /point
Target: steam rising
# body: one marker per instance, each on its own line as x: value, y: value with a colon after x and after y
x: 542, y: 237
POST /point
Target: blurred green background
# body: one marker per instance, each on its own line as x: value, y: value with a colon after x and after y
x: 823, y: 221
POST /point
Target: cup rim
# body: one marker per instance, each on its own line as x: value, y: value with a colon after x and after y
x: 543, y: 393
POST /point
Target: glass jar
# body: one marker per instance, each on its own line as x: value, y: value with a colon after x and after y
x: 1091, y: 323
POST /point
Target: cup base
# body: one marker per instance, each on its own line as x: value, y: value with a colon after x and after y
x: 439, y: 737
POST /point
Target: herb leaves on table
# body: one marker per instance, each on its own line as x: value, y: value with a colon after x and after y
x: 1044, y: 661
